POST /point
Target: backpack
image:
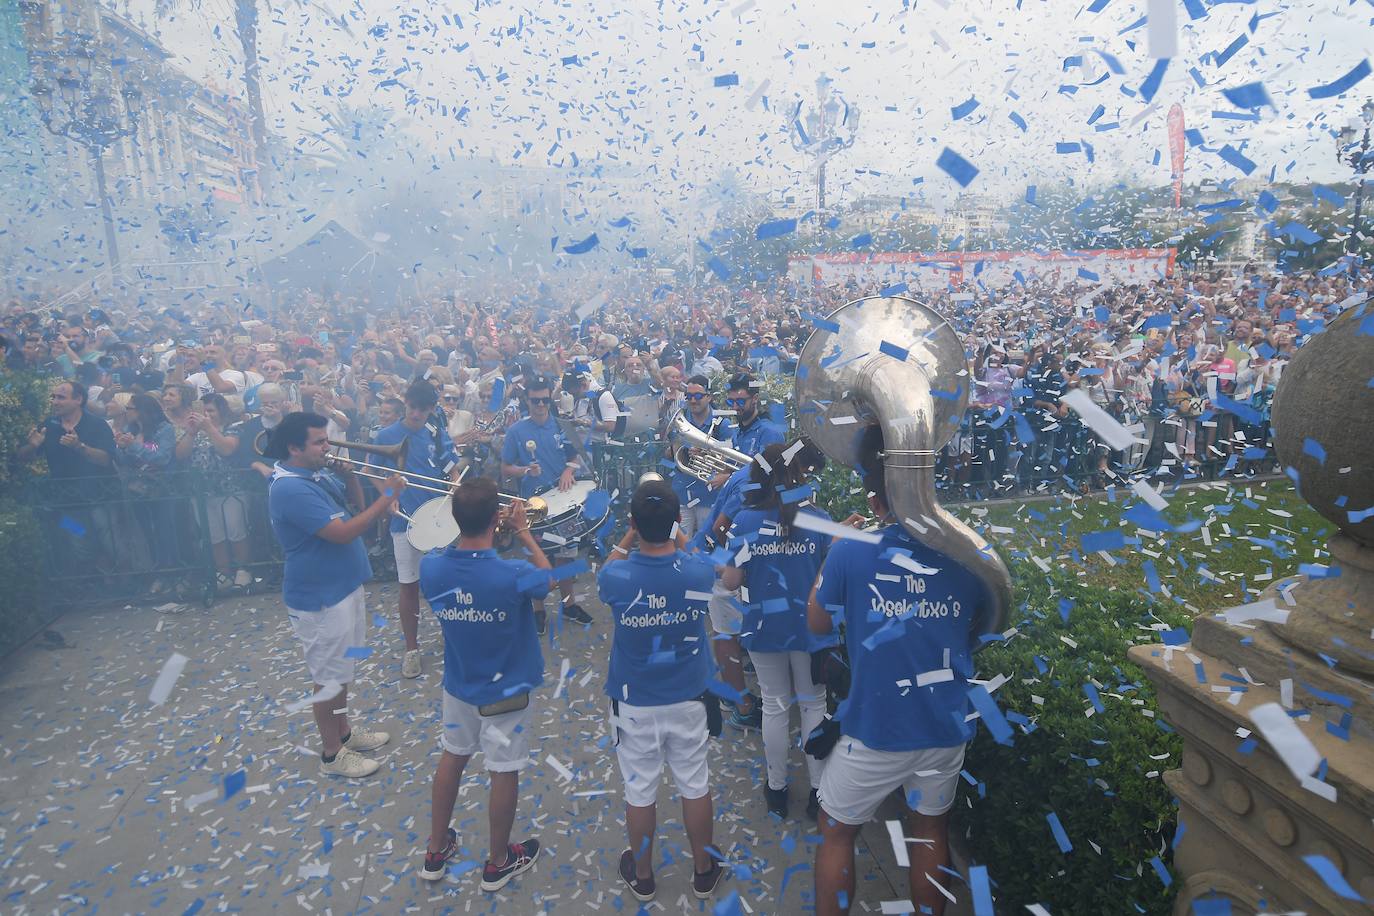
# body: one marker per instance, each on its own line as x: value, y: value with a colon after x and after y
x: 619, y: 431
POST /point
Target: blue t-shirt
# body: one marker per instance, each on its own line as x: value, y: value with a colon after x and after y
x: 317, y: 573
x: 758, y: 435
x: 660, y: 653
x: 484, y: 604
x: 908, y: 636
x: 429, y: 452
x: 551, y: 452
x: 687, y: 487
x: 779, y: 573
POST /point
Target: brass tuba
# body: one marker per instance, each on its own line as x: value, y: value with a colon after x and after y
x: 700, y: 455
x: 895, y: 362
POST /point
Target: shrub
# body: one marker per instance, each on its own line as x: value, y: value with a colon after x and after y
x: 1095, y: 773
x: 23, y: 403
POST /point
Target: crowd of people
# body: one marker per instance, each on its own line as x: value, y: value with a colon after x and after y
x: 506, y: 402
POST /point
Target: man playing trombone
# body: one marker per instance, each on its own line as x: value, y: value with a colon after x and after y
x: 429, y: 453
x: 322, y: 581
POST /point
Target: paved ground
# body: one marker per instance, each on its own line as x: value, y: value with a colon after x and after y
x: 98, y: 788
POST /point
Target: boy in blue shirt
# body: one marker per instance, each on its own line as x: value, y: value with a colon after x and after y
x: 659, y: 669
x: 909, y: 614
x: 492, y: 662
x: 322, y: 581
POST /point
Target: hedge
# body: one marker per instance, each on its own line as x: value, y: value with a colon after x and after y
x: 23, y: 404
x: 1093, y: 773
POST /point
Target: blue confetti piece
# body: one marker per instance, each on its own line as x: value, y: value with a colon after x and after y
x: 1195, y: 9
x: 1151, y: 84
x: 568, y: 570
x: 1030, y: 194
x: 1251, y: 95
x: 498, y: 395
x: 1110, y: 539
x: 1065, y: 608
x: 462, y: 868
x: 1313, y: 448
x: 718, y: 267
x: 1065, y: 148
x: 895, y: 289
x: 378, y: 620
x: 357, y: 652
x: 730, y: 905
x: 1090, y: 691
x: 1267, y: 202
x: 990, y: 714
x: 861, y: 241
x: 196, y: 906
x: 327, y: 836
x: 1086, y: 274
x: 1241, y: 41
x: 583, y: 246
x: 1098, y: 6
x: 892, y: 350
x: 729, y: 79
x: 1017, y: 120
x: 964, y: 109
x: 956, y: 167
x: 1233, y: 156
x: 981, y: 889
x: 1060, y: 836
x: 775, y: 228
x: 1322, y: 193
x: 1163, y: 322
x: 1163, y: 872
x: 824, y: 324
x: 67, y: 523
x: 1359, y: 72
x: 234, y: 783
x: 1175, y: 637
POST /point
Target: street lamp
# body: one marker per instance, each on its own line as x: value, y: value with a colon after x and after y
x: 1352, y: 149
x: 832, y: 126
x: 77, y: 106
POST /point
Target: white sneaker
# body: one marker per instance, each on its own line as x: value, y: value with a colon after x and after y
x: 243, y: 578
x: 410, y: 665
x: 365, y: 739
x: 349, y: 763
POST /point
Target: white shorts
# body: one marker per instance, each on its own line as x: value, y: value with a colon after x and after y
x: 504, y: 740
x: 328, y: 633
x: 407, y: 558
x: 727, y: 617
x: 858, y: 778
x: 225, y: 519
x: 646, y: 737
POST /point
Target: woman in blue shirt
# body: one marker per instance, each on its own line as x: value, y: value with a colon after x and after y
x: 777, y: 561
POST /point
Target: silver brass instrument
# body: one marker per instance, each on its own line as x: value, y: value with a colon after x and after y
x: 700, y: 455
x: 845, y: 383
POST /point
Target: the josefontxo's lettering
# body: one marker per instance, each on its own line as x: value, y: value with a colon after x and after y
x: 923, y: 609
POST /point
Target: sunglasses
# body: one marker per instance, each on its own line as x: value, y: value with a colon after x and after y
x: 737, y: 402
x: 449, y: 397
x: 696, y: 397
x: 541, y: 400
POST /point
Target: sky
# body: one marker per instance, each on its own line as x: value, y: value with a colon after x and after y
x: 683, y: 91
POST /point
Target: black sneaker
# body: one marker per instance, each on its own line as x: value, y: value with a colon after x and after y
x: 541, y: 621
x: 776, y: 799
x: 575, y: 613
x: 642, y: 888
x: 704, y: 883
x: 519, y: 859
x: 813, y: 805
x: 436, y: 863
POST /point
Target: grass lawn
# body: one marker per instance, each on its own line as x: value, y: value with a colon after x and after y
x: 1231, y: 540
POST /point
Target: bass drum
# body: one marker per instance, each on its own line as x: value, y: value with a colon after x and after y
x: 566, y: 518
x: 432, y: 526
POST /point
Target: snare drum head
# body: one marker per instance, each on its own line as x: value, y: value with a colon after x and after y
x: 432, y: 526
x: 568, y: 502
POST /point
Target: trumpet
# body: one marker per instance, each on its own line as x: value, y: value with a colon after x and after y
x: 700, y: 455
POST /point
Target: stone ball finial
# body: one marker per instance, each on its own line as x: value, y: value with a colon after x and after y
x: 1326, y: 398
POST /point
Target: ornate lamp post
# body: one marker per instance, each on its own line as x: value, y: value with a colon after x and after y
x: 823, y: 132
x: 1352, y: 149
x: 79, y: 105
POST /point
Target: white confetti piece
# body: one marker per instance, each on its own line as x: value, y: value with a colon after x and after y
x: 559, y: 768
x: 894, y: 833
x: 835, y: 529
x: 1108, y: 428
x: 1294, y: 748
x: 167, y: 678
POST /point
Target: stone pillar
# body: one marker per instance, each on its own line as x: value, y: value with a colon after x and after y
x: 1246, y: 821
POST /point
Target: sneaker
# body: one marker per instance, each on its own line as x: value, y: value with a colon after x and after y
x: 575, y: 613
x: 704, y: 883
x: 541, y: 621
x: 753, y: 721
x: 642, y: 888
x: 748, y: 664
x: 813, y: 805
x: 243, y: 578
x: 436, y: 863
x: 365, y: 739
x: 349, y: 763
x: 410, y: 665
x: 776, y: 799
x: 519, y: 859
x: 222, y: 582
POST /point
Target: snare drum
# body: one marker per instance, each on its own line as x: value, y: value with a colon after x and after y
x: 565, y: 518
x: 432, y: 526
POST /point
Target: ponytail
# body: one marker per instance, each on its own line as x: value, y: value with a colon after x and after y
x: 779, y: 468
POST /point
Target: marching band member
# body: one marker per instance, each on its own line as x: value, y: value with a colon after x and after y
x: 692, y: 493
x: 779, y: 559
x: 538, y: 454
x: 753, y: 431
x: 657, y: 682
x: 898, y: 727
x: 429, y: 453
x: 492, y: 662
x: 322, y: 583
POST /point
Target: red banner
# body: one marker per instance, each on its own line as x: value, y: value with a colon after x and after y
x: 1176, y: 151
